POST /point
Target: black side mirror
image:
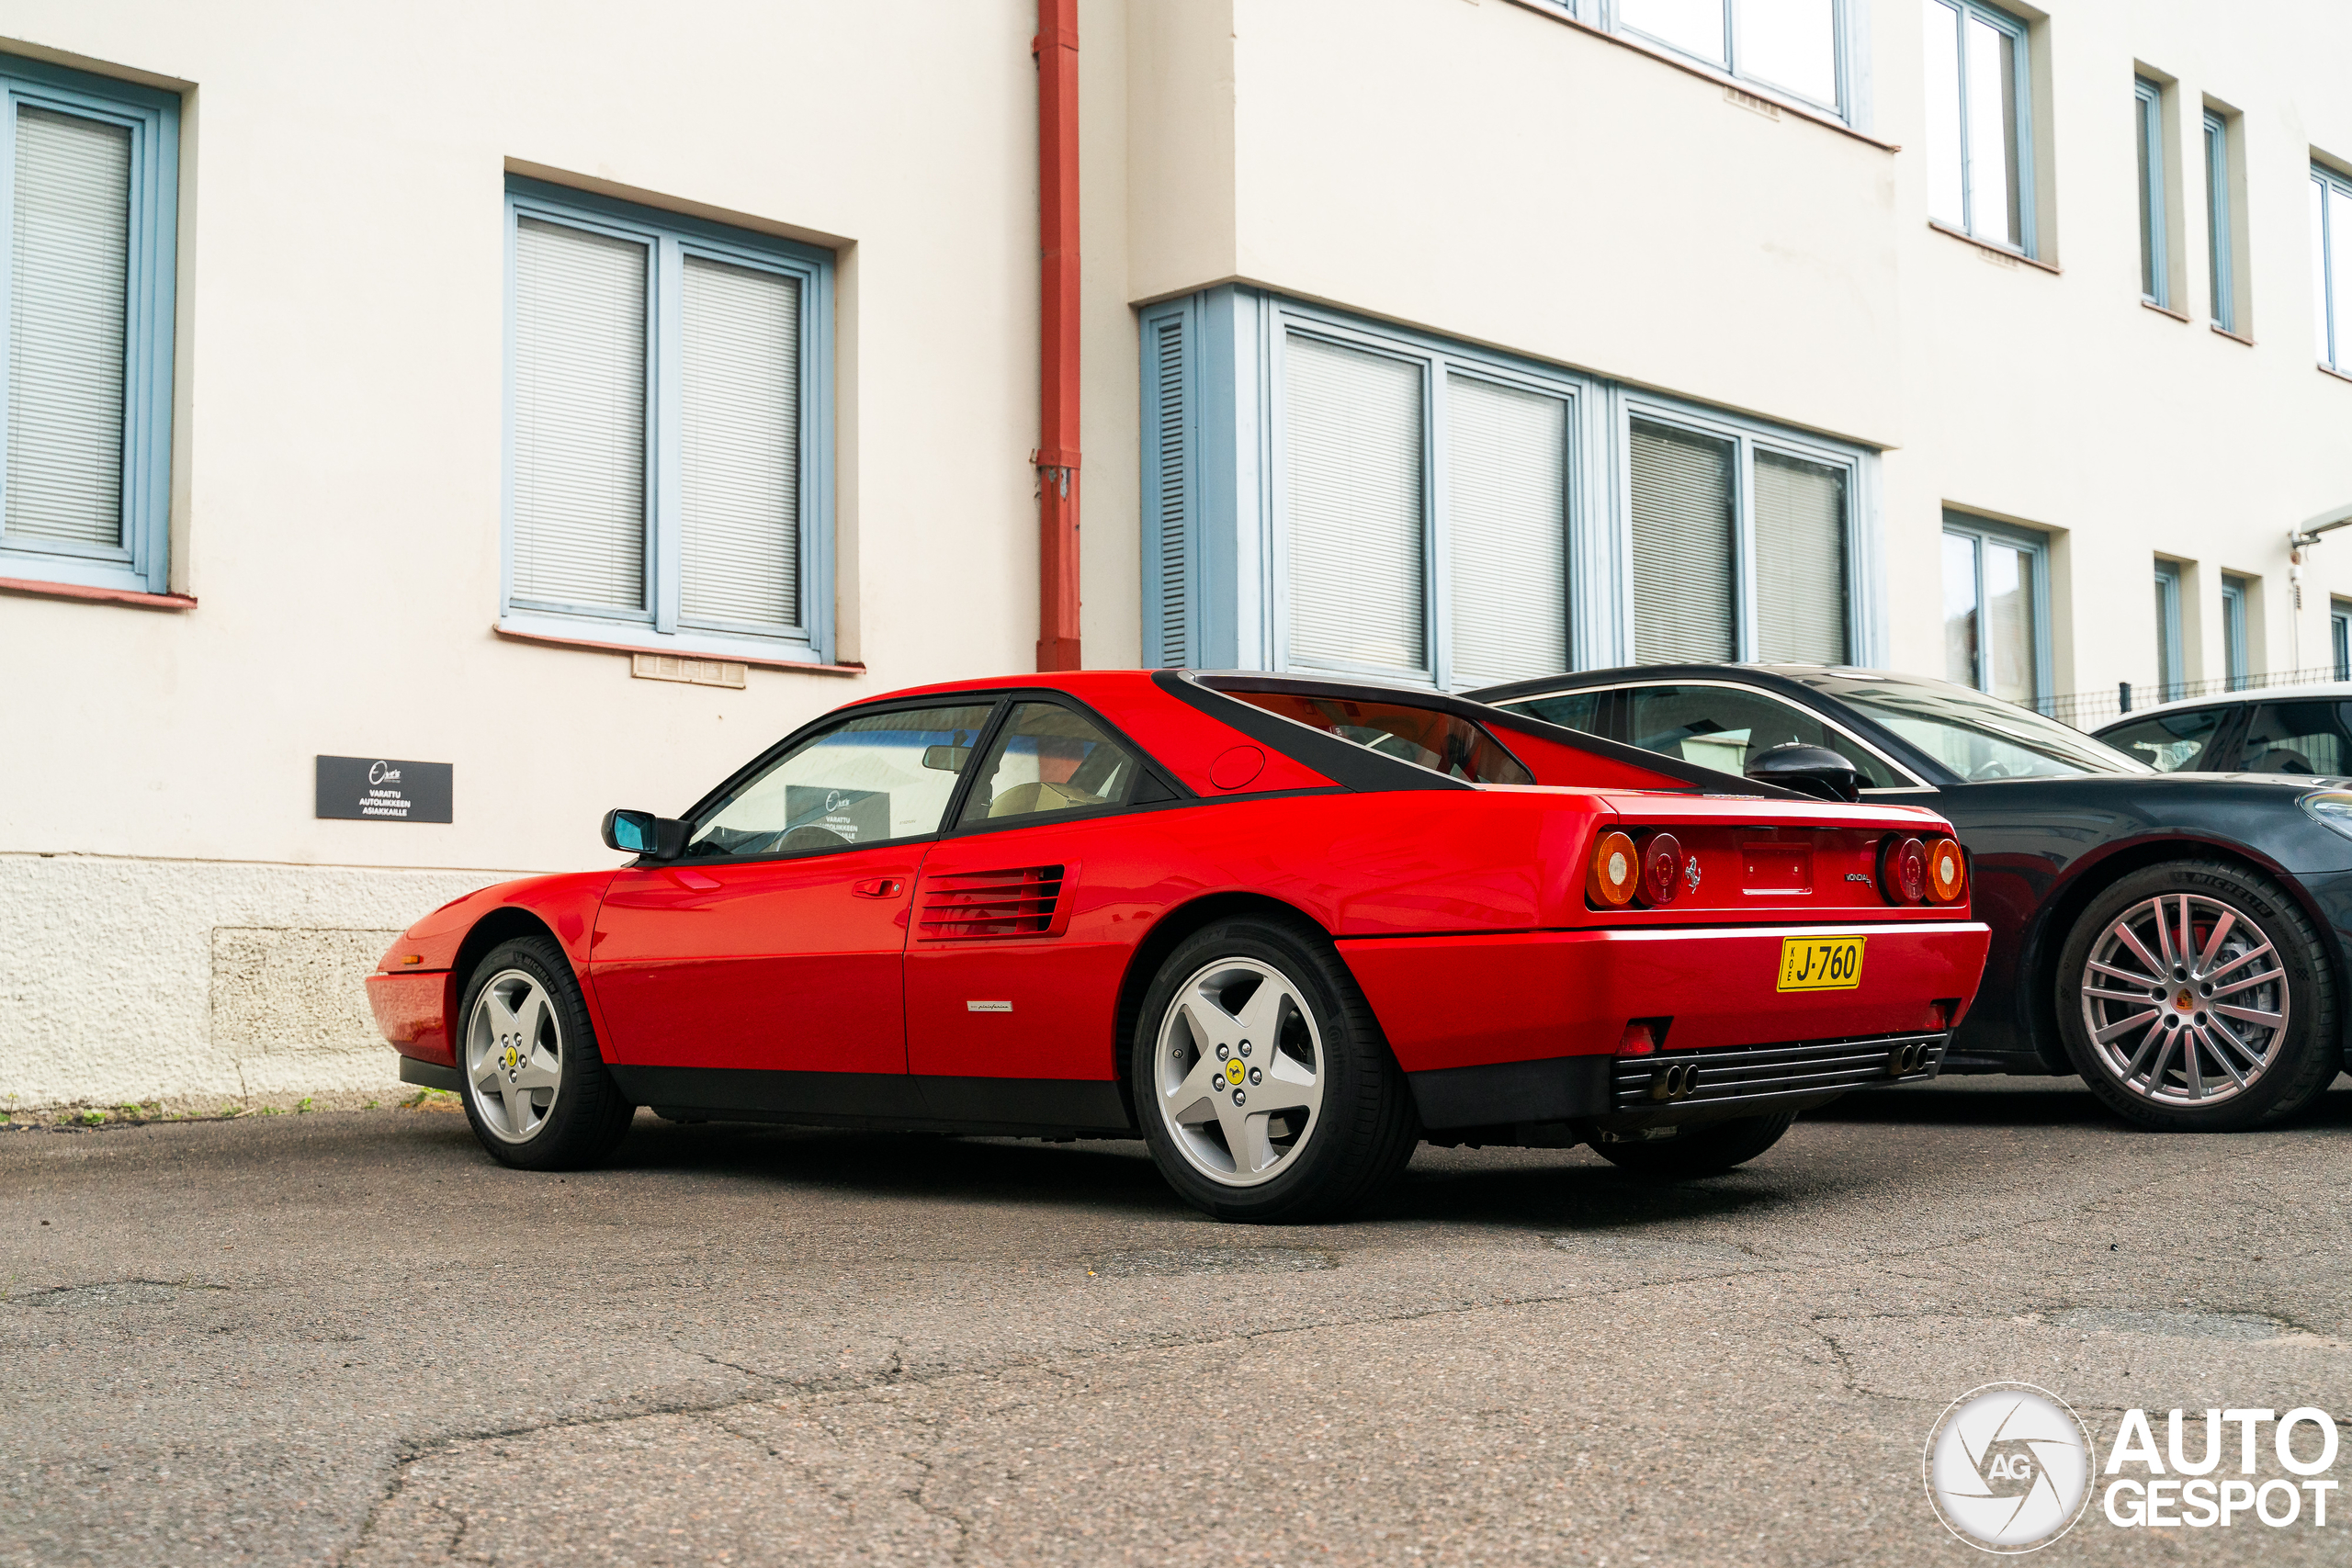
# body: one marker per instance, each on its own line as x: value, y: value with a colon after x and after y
x: 1808, y: 770
x: 642, y: 833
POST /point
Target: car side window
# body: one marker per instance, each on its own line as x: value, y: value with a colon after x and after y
x: 865, y: 781
x: 2296, y: 737
x: 2171, y: 742
x: 1048, y: 757
x: 1569, y: 710
x: 1726, y: 727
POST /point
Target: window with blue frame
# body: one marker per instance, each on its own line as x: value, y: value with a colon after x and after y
x: 669, y: 445
x: 2339, y: 636
x: 2221, y: 230
x: 1997, y: 609
x: 1980, y: 130
x: 1325, y: 493
x: 2148, y: 135
x: 2331, y: 229
x: 2169, y: 663
x: 2234, y: 652
x: 91, y: 208
x: 1797, y: 49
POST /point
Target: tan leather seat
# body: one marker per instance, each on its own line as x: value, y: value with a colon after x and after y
x: 1021, y: 800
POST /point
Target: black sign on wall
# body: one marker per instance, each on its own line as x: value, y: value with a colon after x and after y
x: 376, y: 789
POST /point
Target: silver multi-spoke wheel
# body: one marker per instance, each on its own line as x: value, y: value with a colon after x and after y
x: 514, y: 1056
x: 1238, y: 1071
x: 2185, y: 1000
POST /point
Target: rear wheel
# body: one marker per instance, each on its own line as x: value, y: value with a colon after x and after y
x: 534, y: 1084
x: 2195, y: 997
x: 1709, y: 1149
x: 1266, y: 1089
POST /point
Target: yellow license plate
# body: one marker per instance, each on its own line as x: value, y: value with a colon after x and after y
x: 1821, y: 963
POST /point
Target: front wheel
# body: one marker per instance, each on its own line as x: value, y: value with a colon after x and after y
x: 2195, y: 997
x: 534, y: 1084
x: 1266, y: 1089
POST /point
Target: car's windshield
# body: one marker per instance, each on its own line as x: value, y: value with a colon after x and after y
x: 1975, y: 735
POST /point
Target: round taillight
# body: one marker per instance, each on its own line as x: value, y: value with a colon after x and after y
x: 1947, y: 871
x: 1661, y: 868
x: 1902, y: 869
x: 1616, y: 871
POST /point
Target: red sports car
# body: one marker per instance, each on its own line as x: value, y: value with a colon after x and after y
x: 1284, y: 928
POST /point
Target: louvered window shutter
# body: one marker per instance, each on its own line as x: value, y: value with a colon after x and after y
x: 69, y: 271
x: 1170, y: 429
x: 739, y: 431
x: 579, y: 417
x: 1507, y: 489
x: 1353, y: 430
x: 1682, y: 547
x: 1801, y: 589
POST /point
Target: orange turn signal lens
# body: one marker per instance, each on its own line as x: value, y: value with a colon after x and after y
x: 1947, y: 871
x: 1616, y: 872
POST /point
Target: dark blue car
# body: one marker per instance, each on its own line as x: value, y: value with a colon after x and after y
x: 2181, y: 939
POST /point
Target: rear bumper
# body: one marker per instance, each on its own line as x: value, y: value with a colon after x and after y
x: 413, y: 1011
x: 1524, y: 1027
x: 1462, y: 1001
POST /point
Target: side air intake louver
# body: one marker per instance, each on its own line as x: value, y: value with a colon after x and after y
x: 977, y: 905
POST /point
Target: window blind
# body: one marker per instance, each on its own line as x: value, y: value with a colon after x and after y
x: 1353, y: 430
x: 1507, y: 489
x: 68, y: 270
x: 1800, y: 561
x: 1682, y: 547
x: 579, y: 417
x: 1169, y: 489
x: 740, y: 446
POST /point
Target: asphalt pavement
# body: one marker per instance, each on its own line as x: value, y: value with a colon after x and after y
x: 350, y: 1338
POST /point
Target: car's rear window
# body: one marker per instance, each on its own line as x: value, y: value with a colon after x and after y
x: 1427, y: 737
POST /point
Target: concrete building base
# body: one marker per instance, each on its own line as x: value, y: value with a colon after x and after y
x: 195, y: 985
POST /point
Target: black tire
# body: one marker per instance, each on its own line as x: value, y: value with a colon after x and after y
x: 586, y: 1115
x: 2298, y: 1065
x: 1706, y: 1149
x: 1364, y: 1129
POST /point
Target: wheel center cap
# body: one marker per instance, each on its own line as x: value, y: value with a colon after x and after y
x: 1234, y: 1071
x: 2183, y: 1001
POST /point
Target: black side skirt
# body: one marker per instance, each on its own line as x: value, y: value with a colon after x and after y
x: 1061, y: 1108
x: 430, y: 1075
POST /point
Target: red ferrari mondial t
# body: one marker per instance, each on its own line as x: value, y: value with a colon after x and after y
x: 1283, y: 927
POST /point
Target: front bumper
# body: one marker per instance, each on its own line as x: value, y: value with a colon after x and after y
x: 412, y: 1009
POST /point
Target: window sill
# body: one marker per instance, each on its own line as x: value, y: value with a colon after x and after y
x: 1723, y: 78
x: 2233, y: 337
x: 2147, y: 304
x: 137, y: 601
x: 2002, y: 253
x: 2331, y: 370
x: 560, y: 640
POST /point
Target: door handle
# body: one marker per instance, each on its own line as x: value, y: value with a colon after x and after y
x: 880, y: 887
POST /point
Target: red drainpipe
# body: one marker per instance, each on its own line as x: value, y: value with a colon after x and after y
x: 1056, y: 47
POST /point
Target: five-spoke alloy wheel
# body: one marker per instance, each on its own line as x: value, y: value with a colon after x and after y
x: 534, y: 1084
x: 2194, y: 996
x: 1264, y: 1087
